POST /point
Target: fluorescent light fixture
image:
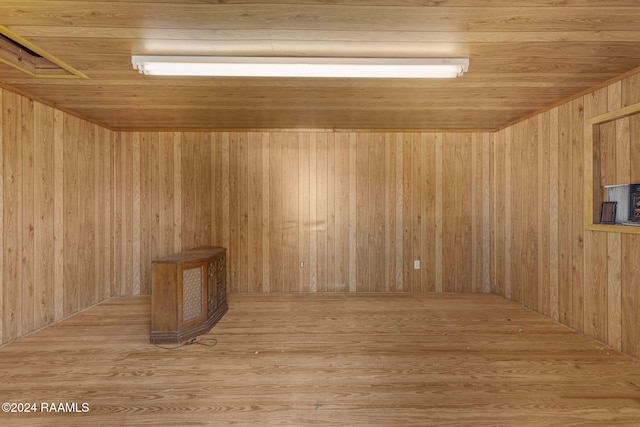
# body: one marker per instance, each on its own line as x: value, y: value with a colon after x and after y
x: 224, y: 66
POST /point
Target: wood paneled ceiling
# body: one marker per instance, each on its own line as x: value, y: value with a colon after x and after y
x: 524, y: 56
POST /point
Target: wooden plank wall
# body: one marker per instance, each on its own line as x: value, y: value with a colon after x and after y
x: 55, y: 194
x: 544, y: 258
x: 357, y: 208
x: 85, y: 210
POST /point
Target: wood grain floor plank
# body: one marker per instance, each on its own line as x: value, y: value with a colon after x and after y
x: 313, y: 359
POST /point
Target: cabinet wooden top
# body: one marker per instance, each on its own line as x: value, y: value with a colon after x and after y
x: 193, y: 254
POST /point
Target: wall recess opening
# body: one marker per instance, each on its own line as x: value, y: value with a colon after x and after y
x: 30, y: 59
x: 609, y: 141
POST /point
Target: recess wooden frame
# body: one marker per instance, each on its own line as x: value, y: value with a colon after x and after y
x: 591, y: 128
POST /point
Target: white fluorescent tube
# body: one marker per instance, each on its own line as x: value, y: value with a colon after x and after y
x: 299, y: 67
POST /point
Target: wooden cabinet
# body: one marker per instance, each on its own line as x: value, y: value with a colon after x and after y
x: 188, y: 294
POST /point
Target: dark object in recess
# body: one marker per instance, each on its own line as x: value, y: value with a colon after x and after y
x: 634, y: 203
x: 608, y: 213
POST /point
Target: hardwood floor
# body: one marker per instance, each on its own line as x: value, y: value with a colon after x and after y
x: 344, y: 360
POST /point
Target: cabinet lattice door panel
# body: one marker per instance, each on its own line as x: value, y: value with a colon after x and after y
x: 191, y: 293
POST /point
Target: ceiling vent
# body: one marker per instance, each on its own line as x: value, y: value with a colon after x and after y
x: 30, y: 59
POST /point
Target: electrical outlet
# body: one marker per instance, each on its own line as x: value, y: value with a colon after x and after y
x: 301, y: 264
x: 416, y: 264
